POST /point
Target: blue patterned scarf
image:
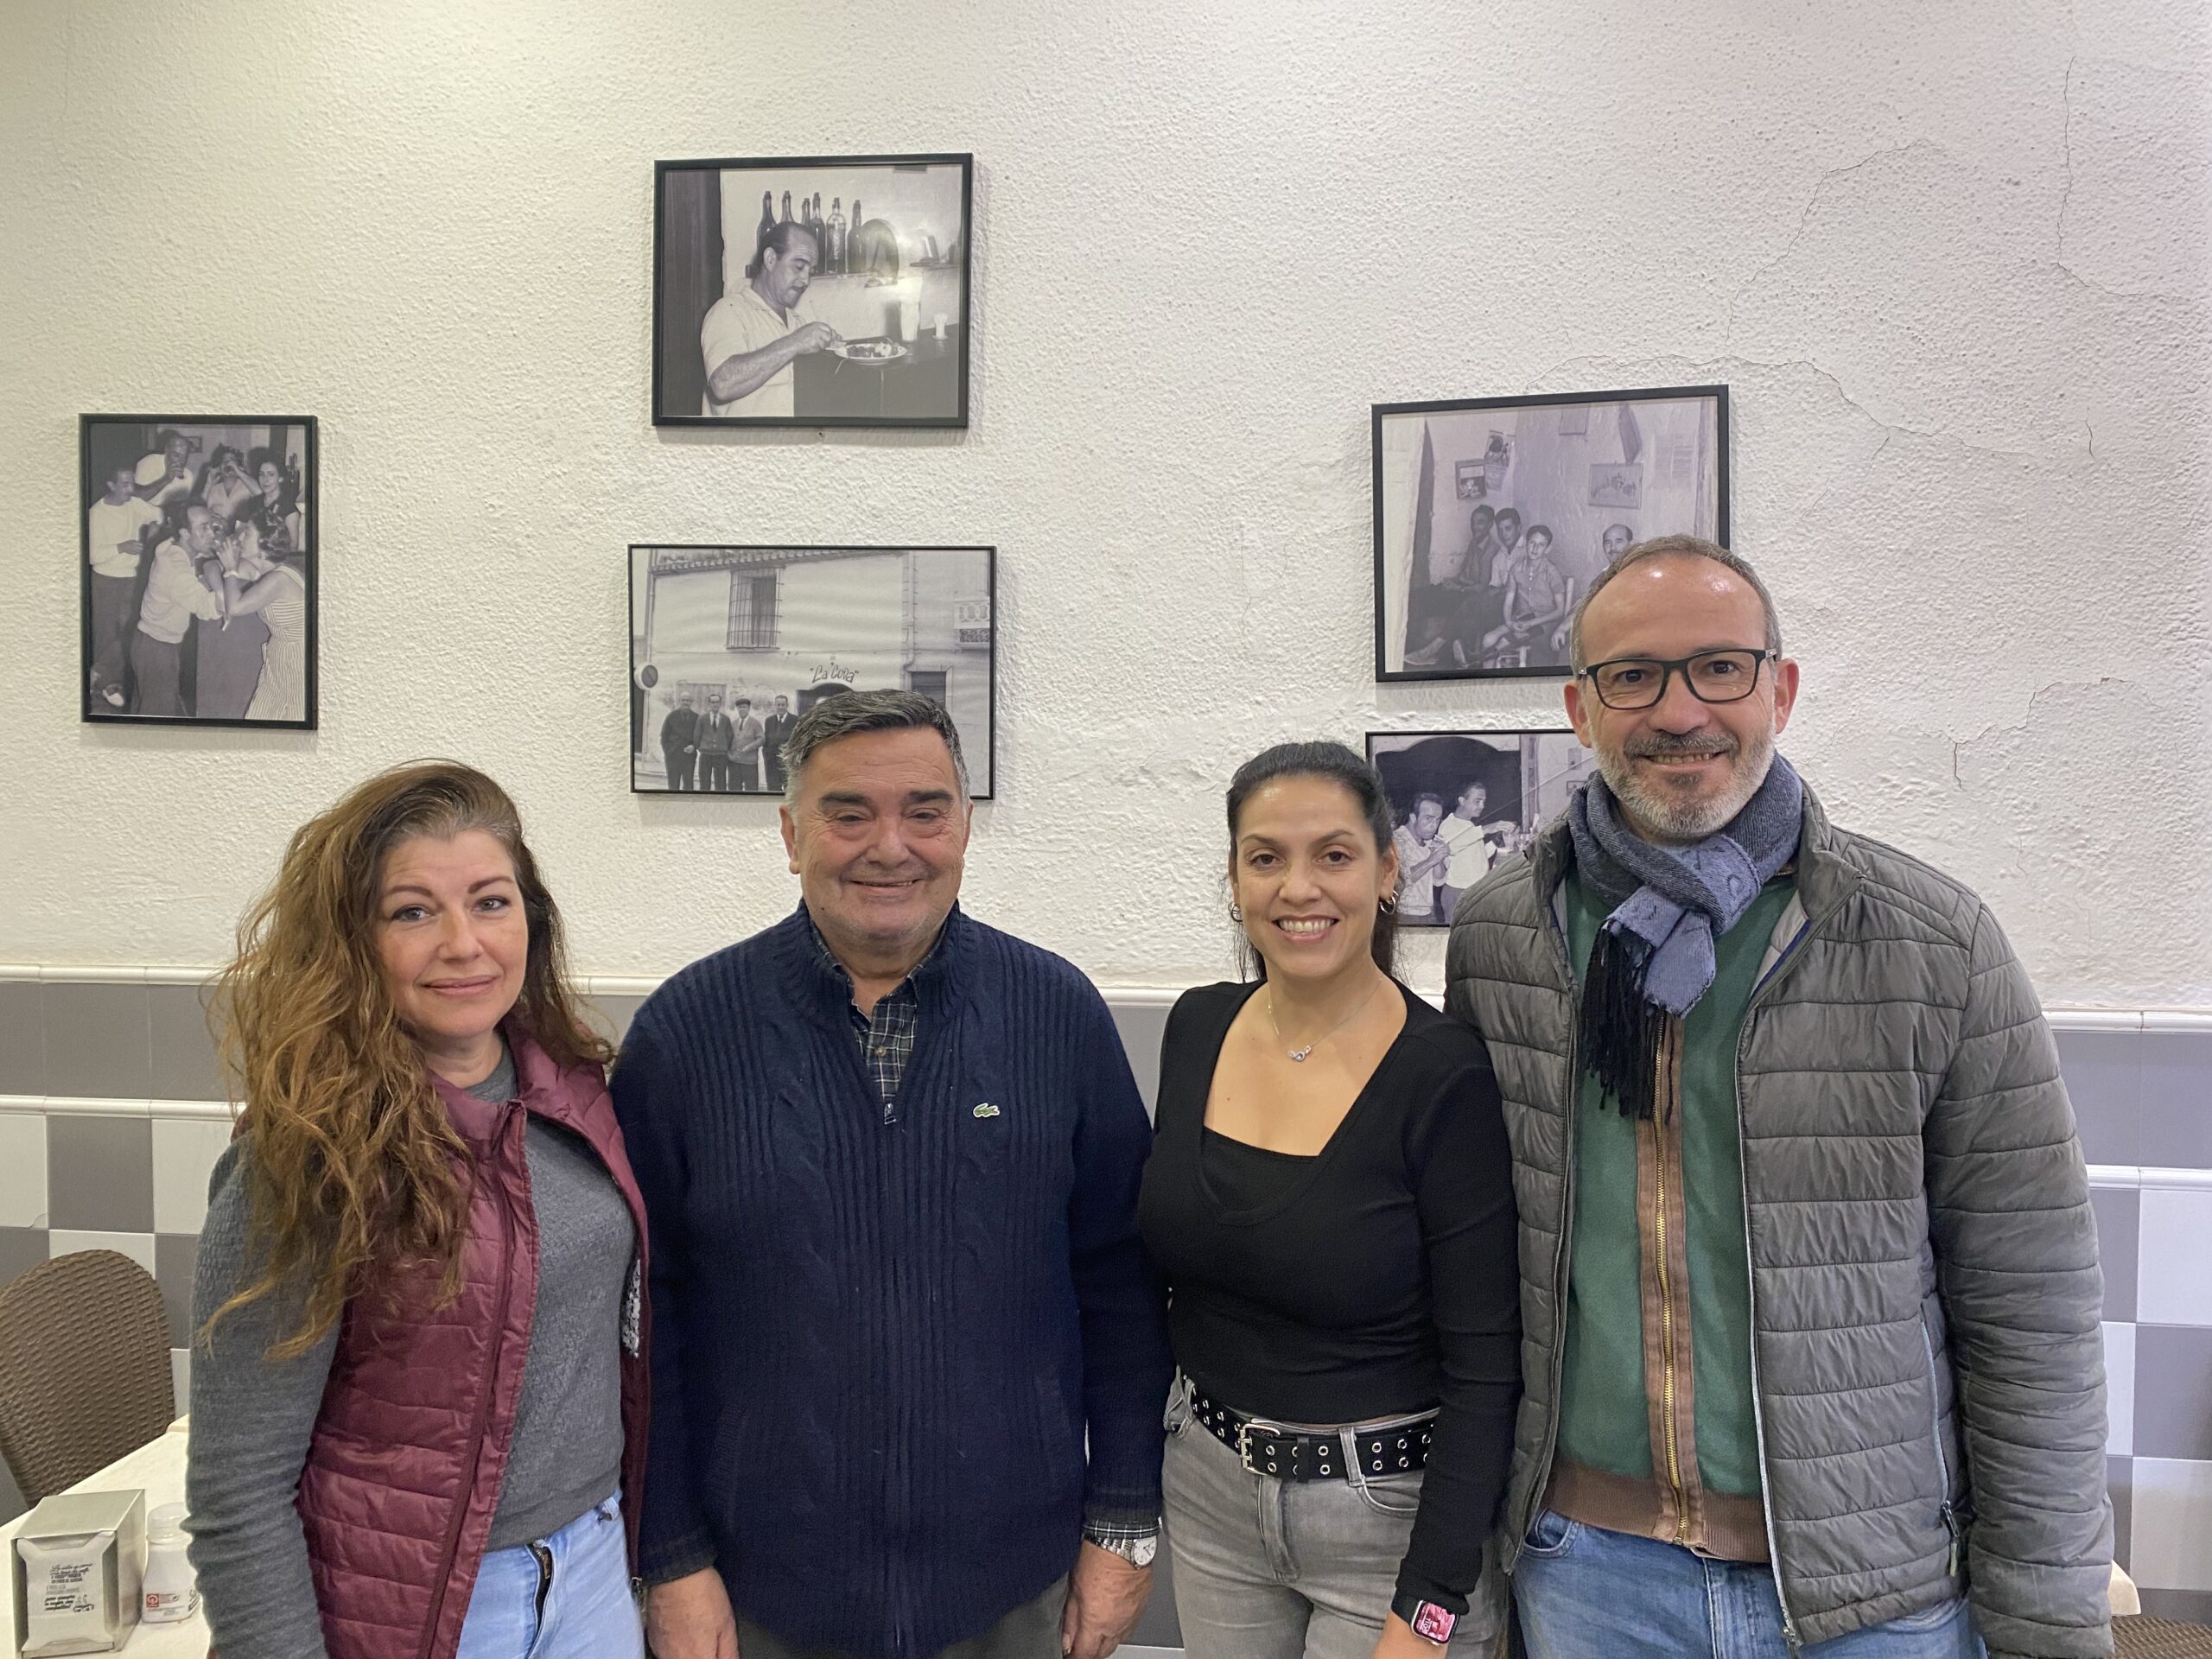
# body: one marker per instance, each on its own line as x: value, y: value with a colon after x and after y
x: 1654, y: 955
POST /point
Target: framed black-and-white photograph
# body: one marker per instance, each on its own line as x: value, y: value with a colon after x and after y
x: 1461, y: 801
x: 1493, y: 514
x: 730, y: 645
x: 198, y: 578
x: 811, y: 291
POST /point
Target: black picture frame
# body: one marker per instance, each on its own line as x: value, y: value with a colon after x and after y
x: 1434, y: 622
x: 1527, y: 782
x: 100, y: 438
x: 692, y: 271
x: 944, y: 628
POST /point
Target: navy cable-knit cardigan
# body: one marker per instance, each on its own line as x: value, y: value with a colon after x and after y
x: 878, y: 1349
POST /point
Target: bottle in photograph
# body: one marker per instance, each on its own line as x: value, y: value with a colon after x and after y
x: 767, y: 221
x: 169, y: 1592
x: 787, y: 206
x: 814, y: 222
x: 833, y: 256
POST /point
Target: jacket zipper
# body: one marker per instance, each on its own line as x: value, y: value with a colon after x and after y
x: 1666, y: 1340
x: 482, y: 1427
x: 1759, y: 994
x: 1946, y: 1508
x: 1560, y: 1251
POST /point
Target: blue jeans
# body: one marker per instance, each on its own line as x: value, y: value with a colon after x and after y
x: 565, y: 1596
x: 1587, y: 1593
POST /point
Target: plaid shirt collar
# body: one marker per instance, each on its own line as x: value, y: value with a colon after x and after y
x: 885, y: 1036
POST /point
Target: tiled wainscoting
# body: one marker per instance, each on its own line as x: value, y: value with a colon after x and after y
x: 110, y: 1118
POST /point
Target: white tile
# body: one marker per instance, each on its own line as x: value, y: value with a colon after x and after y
x: 2170, y: 1535
x: 181, y: 1378
x: 23, y: 1170
x: 2171, y: 1285
x: 139, y: 1247
x: 2119, y: 1389
x: 184, y: 1149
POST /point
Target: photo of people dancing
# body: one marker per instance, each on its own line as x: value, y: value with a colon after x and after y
x: 200, y: 576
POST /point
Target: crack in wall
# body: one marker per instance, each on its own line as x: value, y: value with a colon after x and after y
x: 2066, y: 142
x: 1701, y: 370
x: 1995, y: 728
x: 1805, y: 217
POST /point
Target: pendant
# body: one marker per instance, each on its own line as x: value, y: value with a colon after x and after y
x: 1301, y: 1053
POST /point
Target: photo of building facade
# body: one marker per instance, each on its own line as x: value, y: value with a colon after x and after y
x: 763, y: 634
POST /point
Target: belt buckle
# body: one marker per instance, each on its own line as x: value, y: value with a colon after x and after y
x: 1244, y: 1445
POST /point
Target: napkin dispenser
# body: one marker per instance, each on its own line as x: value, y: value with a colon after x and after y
x: 78, y: 1560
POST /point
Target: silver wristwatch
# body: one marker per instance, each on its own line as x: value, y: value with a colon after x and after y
x: 1137, y: 1552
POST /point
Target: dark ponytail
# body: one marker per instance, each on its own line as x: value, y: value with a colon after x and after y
x: 1338, y: 764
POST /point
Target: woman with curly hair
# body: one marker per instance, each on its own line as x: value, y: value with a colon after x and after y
x: 418, y: 1388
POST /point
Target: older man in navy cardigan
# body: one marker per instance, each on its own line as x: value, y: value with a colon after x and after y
x: 908, y: 1359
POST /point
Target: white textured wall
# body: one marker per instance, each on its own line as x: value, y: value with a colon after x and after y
x: 1952, y: 259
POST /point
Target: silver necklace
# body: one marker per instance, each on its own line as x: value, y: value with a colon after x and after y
x: 1299, y: 1054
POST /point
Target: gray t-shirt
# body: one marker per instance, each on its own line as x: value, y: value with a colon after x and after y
x: 252, y: 1420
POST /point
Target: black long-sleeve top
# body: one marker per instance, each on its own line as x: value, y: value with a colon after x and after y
x: 1380, y: 1279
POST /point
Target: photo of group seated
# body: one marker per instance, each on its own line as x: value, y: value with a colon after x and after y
x: 730, y: 645
x: 812, y: 292
x: 1462, y: 804
x: 1493, y: 515
x: 198, y: 588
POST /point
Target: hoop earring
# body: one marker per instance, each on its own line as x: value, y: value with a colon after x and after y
x: 1387, y: 906
x: 1235, y: 914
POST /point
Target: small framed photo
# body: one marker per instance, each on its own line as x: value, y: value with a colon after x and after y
x: 1461, y: 801
x: 198, y: 571
x: 730, y: 645
x: 1492, y: 515
x: 812, y: 291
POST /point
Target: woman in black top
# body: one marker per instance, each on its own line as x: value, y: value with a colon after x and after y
x: 1330, y: 1196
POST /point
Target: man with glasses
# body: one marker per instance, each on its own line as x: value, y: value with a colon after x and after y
x: 1812, y: 1348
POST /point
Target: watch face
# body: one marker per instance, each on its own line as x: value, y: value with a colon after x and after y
x: 1432, y: 1624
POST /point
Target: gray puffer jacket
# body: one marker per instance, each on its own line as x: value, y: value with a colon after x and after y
x: 1927, y: 1364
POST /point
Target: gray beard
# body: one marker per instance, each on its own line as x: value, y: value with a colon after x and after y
x: 1670, y: 819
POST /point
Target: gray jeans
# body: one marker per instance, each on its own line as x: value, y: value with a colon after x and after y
x: 1030, y: 1631
x: 1278, y: 1569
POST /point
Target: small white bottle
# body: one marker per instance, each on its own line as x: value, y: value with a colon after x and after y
x: 170, y: 1594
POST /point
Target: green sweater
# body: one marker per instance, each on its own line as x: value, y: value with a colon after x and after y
x: 1603, y: 1421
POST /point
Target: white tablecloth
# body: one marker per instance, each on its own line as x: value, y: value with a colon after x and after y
x: 158, y: 1468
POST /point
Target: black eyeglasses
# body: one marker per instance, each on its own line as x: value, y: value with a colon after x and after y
x: 1712, y: 676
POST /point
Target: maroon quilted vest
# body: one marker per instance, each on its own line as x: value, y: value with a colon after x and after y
x: 403, y: 1473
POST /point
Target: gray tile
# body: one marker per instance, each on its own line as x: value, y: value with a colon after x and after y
x: 2119, y: 1483
x: 2118, y: 1210
x: 183, y: 1050
x: 98, y: 1041
x: 1140, y: 1026
x: 99, y: 1174
x: 2103, y: 1071
x: 2173, y: 1392
x: 610, y: 1015
x: 2175, y: 1116
x: 2179, y: 1606
x: 176, y: 1257
x: 21, y: 1248
x: 22, y: 1043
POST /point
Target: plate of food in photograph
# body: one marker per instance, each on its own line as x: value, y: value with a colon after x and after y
x: 869, y: 351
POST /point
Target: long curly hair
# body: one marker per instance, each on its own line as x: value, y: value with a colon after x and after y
x: 356, y: 1171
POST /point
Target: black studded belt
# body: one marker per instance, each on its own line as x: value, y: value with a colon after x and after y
x: 1287, y: 1453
